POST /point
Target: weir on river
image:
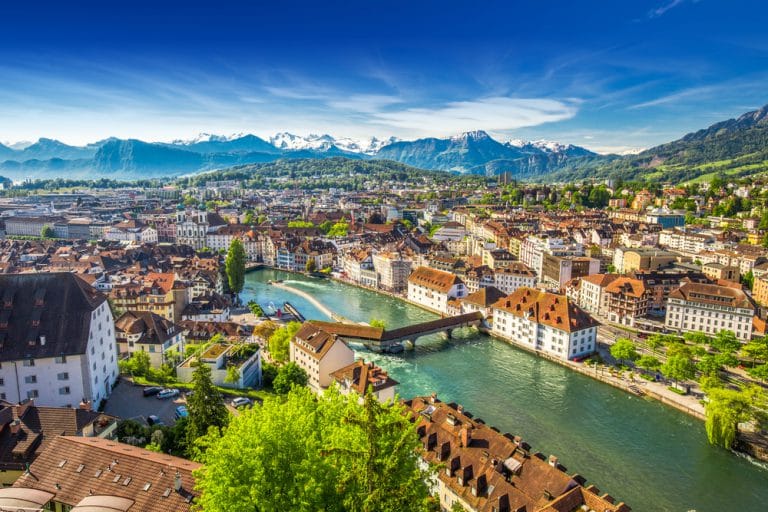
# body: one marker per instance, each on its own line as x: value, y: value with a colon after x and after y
x: 651, y: 456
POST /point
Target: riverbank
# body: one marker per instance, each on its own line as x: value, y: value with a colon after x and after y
x: 595, y: 428
x: 657, y: 391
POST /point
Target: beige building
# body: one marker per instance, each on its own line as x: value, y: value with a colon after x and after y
x: 392, y: 271
x: 710, y: 308
x: 320, y: 354
x: 717, y: 271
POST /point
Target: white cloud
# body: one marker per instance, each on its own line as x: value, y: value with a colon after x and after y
x: 491, y: 114
x: 662, y: 10
x: 364, y: 103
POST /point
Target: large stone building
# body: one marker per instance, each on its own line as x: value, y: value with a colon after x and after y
x: 710, y: 308
x: 433, y: 288
x: 57, y: 340
x: 545, y: 322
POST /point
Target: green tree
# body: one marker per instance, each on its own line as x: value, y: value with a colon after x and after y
x: 288, y: 376
x: 250, y: 217
x: 206, y: 408
x: 725, y: 341
x: 311, y: 266
x: 338, y: 230
x: 280, y: 340
x: 233, y: 374
x: 679, y: 367
x: 759, y: 372
x: 300, y: 224
x: 756, y: 349
x: 137, y: 365
x: 306, y: 454
x: 235, y: 267
x: 748, y: 279
x: 624, y: 350
x: 725, y: 409
x: 696, y: 337
x: 47, y: 232
x: 649, y: 363
x: 379, y: 324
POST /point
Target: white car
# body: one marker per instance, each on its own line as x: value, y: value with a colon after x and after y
x: 241, y: 401
x: 168, y: 393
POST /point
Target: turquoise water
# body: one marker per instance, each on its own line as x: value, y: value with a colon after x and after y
x: 642, y: 452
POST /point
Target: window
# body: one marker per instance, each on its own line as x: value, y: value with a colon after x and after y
x: 2, y: 382
x: 29, y: 362
x: 64, y: 390
x: 30, y: 379
x: 32, y: 394
x: 63, y: 376
x: 60, y: 359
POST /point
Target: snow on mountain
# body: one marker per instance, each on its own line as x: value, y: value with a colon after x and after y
x: 290, y: 142
x: 207, y: 137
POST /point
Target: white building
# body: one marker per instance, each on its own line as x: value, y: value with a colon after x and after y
x: 219, y: 357
x: 545, y: 322
x: 433, y: 288
x: 320, y: 354
x: 144, y: 331
x: 710, y: 308
x: 57, y: 340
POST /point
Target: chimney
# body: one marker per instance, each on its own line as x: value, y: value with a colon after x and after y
x: 460, y: 409
x: 553, y: 461
x: 466, y: 436
x: 177, y: 482
x: 15, y: 426
x: 433, y: 398
x: 21, y: 409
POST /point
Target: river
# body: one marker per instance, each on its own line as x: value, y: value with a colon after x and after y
x: 651, y: 456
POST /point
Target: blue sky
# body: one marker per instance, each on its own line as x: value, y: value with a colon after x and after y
x: 609, y: 75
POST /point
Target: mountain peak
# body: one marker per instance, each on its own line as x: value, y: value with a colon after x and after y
x: 471, y: 135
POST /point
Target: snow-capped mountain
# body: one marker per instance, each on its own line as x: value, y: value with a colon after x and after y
x: 290, y: 142
x: 207, y: 137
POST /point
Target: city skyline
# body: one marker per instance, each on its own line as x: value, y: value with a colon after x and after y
x: 610, y: 78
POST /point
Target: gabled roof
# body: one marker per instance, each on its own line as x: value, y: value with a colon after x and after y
x: 314, y: 340
x: 484, y: 297
x: 154, y: 328
x: 361, y: 375
x: 713, y: 294
x: 76, y: 467
x: 55, y: 307
x: 434, y: 279
x: 546, y: 308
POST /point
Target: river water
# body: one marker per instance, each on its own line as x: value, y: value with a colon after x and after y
x: 651, y: 456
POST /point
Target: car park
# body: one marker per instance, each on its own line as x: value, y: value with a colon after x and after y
x: 152, y: 390
x: 241, y: 401
x: 168, y: 393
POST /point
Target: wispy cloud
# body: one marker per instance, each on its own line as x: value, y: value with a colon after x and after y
x: 663, y: 9
x: 364, y: 103
x: 493, y: 114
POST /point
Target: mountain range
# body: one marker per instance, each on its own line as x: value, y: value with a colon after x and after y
x: 735, y: 147
x: 471, y: 152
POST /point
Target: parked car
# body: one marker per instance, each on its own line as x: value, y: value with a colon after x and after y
x: 241, y: 401
x: 168, y: 393
x: 152, y: 390
x: 154, y: 420
x: 181, y: 412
